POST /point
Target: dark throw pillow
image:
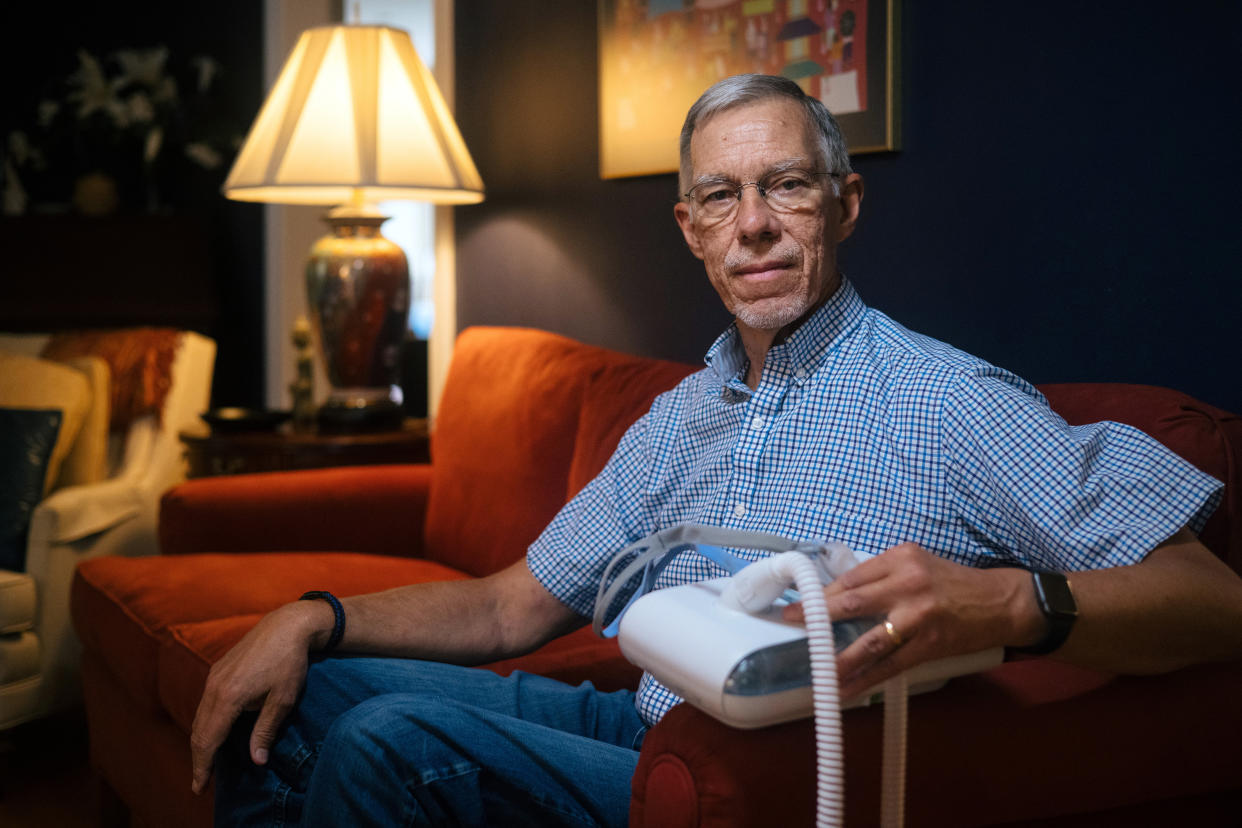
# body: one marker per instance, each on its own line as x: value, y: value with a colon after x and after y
x: 26, y: 440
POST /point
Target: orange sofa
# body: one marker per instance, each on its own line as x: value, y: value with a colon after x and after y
x: 526, y: 419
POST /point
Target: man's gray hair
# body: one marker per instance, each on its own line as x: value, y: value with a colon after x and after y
x: 744, y: 89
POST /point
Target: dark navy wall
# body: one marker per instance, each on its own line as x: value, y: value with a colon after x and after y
x: 1066, y: 202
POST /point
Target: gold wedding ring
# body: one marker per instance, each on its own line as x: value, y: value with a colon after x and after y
x: 893, y: 635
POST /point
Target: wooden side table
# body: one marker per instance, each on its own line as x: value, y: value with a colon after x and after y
x: 222, y: 453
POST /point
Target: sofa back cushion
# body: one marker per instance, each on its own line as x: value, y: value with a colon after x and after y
x: 502, y: 444
x: 620, y: 392
x: 527, y: 418
x: 1208, y: 437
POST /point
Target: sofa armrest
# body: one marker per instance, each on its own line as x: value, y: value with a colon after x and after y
x: 693, y: 769
x: 1028, y: 740
x: 373, y: 509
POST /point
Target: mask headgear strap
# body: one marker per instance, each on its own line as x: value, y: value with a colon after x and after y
x: 654, y: 552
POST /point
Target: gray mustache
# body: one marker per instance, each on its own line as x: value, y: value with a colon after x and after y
x: 736, y: 260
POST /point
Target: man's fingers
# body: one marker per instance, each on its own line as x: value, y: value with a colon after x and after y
x: 206, y: 736
x: 202, y: 760
x: 874, y: 646
x: 275, y: 708
x: 880, y: 672
x: 870, y: 598
x: 869, y: 571
x: 875, y: 657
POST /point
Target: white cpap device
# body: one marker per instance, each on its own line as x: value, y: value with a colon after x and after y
x: 723, y: 646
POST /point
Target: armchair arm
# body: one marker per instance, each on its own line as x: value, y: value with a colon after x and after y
x: 374, y: 509
x: 75, y: 512
x: 76, y: 524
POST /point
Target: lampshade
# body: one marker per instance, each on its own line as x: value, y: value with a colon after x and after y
x: 355, y: 116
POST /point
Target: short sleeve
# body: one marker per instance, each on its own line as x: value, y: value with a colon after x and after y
x: 570, y: 555
x: 1036, y: 491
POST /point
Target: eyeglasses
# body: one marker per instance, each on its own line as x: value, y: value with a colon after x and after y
x: 785, y: 191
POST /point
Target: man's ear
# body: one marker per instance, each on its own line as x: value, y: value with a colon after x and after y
x: 681, y: 211
x: 850, y: 201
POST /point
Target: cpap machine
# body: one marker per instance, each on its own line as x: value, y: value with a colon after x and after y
x: 723, y: 646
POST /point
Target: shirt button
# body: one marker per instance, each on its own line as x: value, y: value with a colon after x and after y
x: 800, y: 373
x: 739, y: 509
x: 757, y: 423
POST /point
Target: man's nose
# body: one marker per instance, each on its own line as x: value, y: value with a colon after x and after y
x: 755, y: 219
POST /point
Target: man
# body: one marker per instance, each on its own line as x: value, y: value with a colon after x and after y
x: 816, y: 418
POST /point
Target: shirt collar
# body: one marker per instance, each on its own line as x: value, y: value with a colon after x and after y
x: 805, y: 348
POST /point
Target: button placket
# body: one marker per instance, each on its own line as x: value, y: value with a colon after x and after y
x: 752, y: 439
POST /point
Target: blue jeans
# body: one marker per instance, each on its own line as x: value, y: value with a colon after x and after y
x: 387, y: 742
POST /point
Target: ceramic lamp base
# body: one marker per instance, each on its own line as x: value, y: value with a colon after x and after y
x: 358, y: 292
x: 355, y: 414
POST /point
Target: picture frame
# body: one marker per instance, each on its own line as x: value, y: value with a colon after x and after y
x: 657, y: 56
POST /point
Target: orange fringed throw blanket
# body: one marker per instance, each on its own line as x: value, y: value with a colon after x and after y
x: 139, y: 362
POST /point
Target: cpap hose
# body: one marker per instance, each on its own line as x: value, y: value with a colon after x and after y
x: 893, y: 763
x: 754, y: 589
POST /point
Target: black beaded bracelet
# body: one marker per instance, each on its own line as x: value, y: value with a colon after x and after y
x: 338, y: 611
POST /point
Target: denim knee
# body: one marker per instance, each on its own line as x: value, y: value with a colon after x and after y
x: 388, y: 761
x: 398, y: 731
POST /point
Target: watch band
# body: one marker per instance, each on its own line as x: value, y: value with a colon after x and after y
x: 1056, y: 602
x: 338, y: 615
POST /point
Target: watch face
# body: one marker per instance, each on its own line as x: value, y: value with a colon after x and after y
x: 1055, y: 591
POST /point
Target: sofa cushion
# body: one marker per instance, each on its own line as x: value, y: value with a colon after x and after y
x: 502, y: 444
x: 577, y: 657
x: 124, y: 607
x: 621, y: 390
x: 17, y: 602
x: 19, y: 657
x: 188, y: 651
x: 185, y: 657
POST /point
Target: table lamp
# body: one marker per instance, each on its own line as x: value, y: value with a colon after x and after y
x: 354, y: 118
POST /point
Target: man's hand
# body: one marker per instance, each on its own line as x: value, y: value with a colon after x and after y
x: 264, y: 671
x: 937, y: 608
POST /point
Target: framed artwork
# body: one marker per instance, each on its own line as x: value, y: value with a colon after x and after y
x: 657, y: 56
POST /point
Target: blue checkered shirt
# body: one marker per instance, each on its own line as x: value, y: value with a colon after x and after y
x: 864, y: 432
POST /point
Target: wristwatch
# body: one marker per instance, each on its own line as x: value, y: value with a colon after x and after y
x: 1056, y: 602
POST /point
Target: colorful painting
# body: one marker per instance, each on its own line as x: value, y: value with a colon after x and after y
x: 657, y: 57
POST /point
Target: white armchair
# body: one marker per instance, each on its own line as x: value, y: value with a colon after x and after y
x: 39, y: 653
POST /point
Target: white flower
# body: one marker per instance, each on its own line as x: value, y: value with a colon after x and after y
x: 14, y: 195
x: 47, y: 112
x: 140, y: 109
x: 94, y: 92
x: 22, y: 152
x: 203, y: 155
x: 207, y: 68
x: 145, y: 68
x: 165, y: 91
x: 19, y: 147
x: 114, y: 111
x: 155, y: 138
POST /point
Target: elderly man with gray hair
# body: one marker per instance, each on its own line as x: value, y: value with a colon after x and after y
x: 816, y: 417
